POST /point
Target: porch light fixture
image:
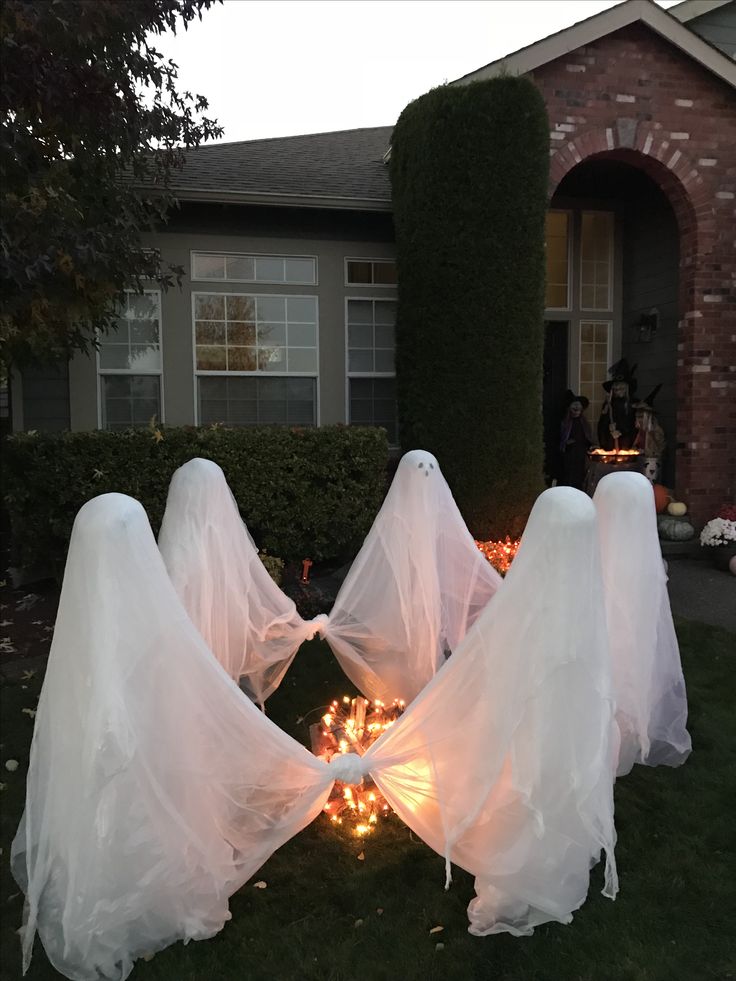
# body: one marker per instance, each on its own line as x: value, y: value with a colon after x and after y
x: 647, y: 326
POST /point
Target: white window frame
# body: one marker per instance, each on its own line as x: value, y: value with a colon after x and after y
x: 128, y: 372
x: 254, y: 255
x: 258, y: 373
x: 367, y: 286
x: 570, y: 270
x: 596, y: 321
x: 611, y: 215
x: 364, y: 374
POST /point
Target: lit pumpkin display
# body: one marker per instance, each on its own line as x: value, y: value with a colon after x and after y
x: 676, y: 508
x: 661, y: 497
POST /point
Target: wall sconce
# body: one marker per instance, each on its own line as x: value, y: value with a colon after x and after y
x: 647, y: 326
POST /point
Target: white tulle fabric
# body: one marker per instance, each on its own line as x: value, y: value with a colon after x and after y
x: 253, y: 629
x: 155, y: 786
x: 649, y: 685
x: 417, y: 585
x: 506, y: 758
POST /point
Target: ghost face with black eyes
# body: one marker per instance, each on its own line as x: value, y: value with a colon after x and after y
x: 420, y: 461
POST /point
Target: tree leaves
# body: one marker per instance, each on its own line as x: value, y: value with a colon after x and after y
x: 91, y: 117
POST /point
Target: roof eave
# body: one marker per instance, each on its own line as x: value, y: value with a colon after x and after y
x: 588, y: 31
x: 330, y: 202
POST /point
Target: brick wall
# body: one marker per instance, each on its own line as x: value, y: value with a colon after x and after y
x: 634, y: 97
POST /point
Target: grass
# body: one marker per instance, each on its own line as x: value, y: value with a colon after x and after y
x: 319, y: 917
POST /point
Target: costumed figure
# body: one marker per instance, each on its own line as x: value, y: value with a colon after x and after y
x: 616, y: 429
x: 576, y: 438
x: 651, y: 704
x: 649, y: 437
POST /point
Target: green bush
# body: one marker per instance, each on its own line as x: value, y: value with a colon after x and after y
x: 469, y: 171
x: 302, y: 492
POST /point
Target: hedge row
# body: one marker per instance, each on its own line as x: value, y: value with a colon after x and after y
x: 302, y: 492
x: 469, y: 169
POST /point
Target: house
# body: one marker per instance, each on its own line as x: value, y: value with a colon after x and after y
x: 288, y: 302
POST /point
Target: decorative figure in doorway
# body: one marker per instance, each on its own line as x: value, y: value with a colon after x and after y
x: 576, y: 438
x: 649, y: 437
x: 616, y: 429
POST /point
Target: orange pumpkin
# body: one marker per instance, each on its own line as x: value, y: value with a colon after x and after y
x: 661, y: 497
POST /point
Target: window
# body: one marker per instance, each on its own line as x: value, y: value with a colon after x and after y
x: 257, y: 401
x: 238, y: 268
x: 370, y: 272
x: 595, y: 358
x: 247, y: 338
x: 370, y: 353
x: 596, y: 254
x: 557, y: 289
x: 129, y: 364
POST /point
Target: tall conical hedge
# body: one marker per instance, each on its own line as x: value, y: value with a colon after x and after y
x: 469, y: 170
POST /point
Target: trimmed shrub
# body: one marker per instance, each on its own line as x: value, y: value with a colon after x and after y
x: 302, y: 492
x: 469, y: 171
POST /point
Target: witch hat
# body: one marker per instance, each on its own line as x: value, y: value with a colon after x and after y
x: 621, y: 372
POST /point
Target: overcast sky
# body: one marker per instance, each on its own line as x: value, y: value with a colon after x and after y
x: 284, y: 67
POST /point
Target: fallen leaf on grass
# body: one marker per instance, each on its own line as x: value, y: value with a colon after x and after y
x: 361, y: 857
x: 439, y: 946
x: 260, y: 884
x: 6, y: 623
x: 29, y: 600
x: 11, y: 765
x: 27, y: 675
x: 358, y: 923
x: 2, y: 787
x: 30, y: 712
x: 437, y: 929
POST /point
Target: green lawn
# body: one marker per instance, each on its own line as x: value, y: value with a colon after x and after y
x: 319, y: 916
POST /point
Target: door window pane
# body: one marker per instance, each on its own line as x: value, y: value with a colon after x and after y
x: 594, y: 361
x: 557, y: 231
x: 596, y: 265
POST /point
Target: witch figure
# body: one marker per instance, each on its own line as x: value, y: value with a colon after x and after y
x: 649, y: 437
x: 576, y: 438
x: 616, y: 428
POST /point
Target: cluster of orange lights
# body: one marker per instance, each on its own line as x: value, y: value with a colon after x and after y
x: 352, y: 725
x: 500, y: 554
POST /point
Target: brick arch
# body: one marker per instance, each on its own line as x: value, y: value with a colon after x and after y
x: 666, y: 163
x: 690, y: 194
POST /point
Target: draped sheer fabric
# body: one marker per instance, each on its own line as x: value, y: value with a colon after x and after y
x: 505, y: 760
x: 155, y: 788
x: 648, y: 681
x: 250, y: 625
x: 414, y: 589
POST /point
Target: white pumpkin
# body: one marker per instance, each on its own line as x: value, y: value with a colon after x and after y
x: 677, y: 508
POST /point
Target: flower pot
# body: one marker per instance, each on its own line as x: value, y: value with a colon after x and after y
x: 722, y: 555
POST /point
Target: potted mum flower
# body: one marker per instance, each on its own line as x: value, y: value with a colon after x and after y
x: 720, y: 536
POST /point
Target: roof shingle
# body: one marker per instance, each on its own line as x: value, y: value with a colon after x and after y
x: 345, y: 164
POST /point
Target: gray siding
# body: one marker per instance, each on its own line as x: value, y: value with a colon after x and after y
x: 718, y: 27
x: 651, y: 260
x: 45, y: 397
x: 330, y: 236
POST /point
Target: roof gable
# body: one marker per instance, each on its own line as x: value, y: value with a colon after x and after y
x: 588, y: 31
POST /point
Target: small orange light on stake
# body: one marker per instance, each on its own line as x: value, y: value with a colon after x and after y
x: 306, y: 566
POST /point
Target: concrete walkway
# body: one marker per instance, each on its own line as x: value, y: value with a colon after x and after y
x: 698, y: 591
